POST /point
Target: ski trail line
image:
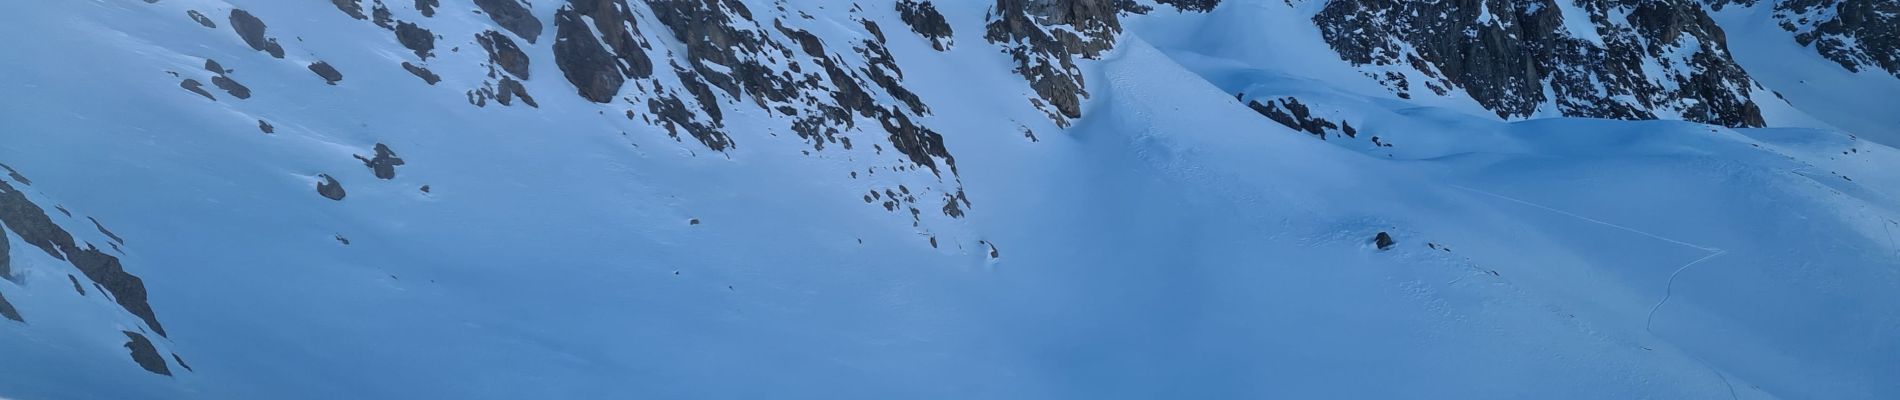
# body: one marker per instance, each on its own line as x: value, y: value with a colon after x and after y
x: 1669, y: 287
x: 1591, y: 220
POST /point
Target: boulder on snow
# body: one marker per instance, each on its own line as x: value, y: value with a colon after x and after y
x: 330, y: 188
x: 1384, y: 241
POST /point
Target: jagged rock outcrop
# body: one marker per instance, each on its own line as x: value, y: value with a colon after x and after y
x: 31, y: 223
x: 1289, y: 111
x: 1860, y: 35
x: 1044, y: 36
x: 1639, y: 59
x: 599, y: 65
x: 923, y: 18
x: 503, y: 53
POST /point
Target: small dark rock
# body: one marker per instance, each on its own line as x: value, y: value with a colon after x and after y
x: 330, y: 188
x: 266, y: 127
x: 181, y: 362
x: 201, y: 18
x: 420, y: 72
x: 383, y: 164
x: 196, y: 87
x: 415, y: 38
x: 231, y: 86
x: 330, y: 74
x: 76, y: 286
x: 252, y: 30
x: 1383, y: 240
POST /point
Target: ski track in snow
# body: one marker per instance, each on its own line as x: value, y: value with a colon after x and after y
x: 1668, y: 287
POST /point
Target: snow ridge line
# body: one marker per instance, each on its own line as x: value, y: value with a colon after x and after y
x: 1669, y: 287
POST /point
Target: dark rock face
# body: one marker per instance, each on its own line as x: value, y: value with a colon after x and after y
x: 598, y: 66
x: 252, y: 30
x: 329, y: 74
x: 201, y: 19
x: 1384, y: 241
x: 416, y: 39
x: 6, y: 309
x: 1044, y: 36
x: 427, y: 76
x: 924, y: 19
x: 383, y: 164
x: 1192, y: 5
x: 329, y: 188
x: 503, y: 52
x: 1858, y: 34
x: 31, y: 224
x: 513, y: 16
x: 266, y: 127
x: 145, y: 354
x: 1503, y: 53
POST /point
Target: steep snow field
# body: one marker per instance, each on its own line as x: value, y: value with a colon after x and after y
x: 1171, y: 243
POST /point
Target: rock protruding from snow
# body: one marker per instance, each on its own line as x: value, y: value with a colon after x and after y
x: 329, y: 74
x: 416, y: 38
x: 1621, y: 59
x: 145, y: 354
x: 1045, y: 36
x: 329, y: 188
x: 383, y: 164
x: 924, y: 19
x: 599, y: 65
x: 1857, y: 34
x: 514, y: 17
x: 31, y: 223
x: 252, y: 30
x: 6, y: 309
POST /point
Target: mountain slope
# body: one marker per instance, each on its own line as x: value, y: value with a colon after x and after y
x: 1024, y: 199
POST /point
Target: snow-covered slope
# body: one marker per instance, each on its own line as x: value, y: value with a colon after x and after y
x: 912, y: 199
